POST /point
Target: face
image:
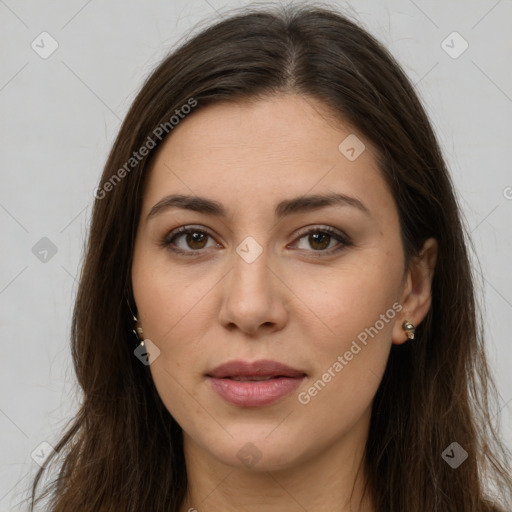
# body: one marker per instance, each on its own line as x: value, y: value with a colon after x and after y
x: 264, y: 273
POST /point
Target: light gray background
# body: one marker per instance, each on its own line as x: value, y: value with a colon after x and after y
x: 60, y: 115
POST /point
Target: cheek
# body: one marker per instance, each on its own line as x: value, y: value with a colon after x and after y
x: 349, y: 334
x: 349, y: 342
x: 175, y: 307
x: 170, y: 304
x: 170, y: 298
x: 339, y: 304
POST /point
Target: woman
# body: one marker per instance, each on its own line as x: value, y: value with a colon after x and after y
x: 277, y: 227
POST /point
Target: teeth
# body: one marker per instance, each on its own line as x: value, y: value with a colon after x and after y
x: 251, y: 378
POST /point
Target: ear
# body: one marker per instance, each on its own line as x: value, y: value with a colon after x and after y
x: 416, y: 294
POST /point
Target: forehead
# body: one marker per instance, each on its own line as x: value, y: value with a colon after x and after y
x: 285, y: 124
x: 259, y: 152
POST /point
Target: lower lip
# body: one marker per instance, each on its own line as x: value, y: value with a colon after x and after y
x: 254, y: 393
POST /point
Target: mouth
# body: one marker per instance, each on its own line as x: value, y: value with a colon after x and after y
x: 255, y: 379
x: 254, y: 384
x: 258, y: 370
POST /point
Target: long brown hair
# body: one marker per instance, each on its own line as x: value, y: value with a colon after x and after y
x: 123, y: 450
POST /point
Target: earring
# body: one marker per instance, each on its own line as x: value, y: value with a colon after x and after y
x: 409, y: 328
x: 138, y: 331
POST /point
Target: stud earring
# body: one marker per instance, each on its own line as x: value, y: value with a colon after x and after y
x: 138, y: 331
x: 409, y: 328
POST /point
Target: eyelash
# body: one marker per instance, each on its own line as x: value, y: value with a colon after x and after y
x: 169, y: 239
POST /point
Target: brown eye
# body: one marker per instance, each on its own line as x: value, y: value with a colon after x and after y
x: 324, y: 241
x: 196, y: 240
x: 187, y: 240
x: 319, y: 241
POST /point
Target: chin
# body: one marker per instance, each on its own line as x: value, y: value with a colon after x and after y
x: 257, y: 452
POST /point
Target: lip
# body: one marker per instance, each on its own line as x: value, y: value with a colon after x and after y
x: 261, y: 368
x: 283, y: 380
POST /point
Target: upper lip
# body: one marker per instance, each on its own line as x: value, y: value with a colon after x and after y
x: 261, y: 368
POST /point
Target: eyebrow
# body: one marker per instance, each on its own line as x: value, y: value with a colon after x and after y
x: 301, y: 204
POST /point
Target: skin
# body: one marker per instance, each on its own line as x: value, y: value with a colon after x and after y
x: 287, y: 305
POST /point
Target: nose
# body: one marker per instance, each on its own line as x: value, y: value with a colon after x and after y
x: 254, y: 298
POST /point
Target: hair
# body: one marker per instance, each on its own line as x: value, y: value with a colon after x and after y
x: 123, y: 450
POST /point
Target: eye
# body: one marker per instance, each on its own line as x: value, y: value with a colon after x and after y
x: 321, y: 240
x: 187, y: 240
x: 190, y: 241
